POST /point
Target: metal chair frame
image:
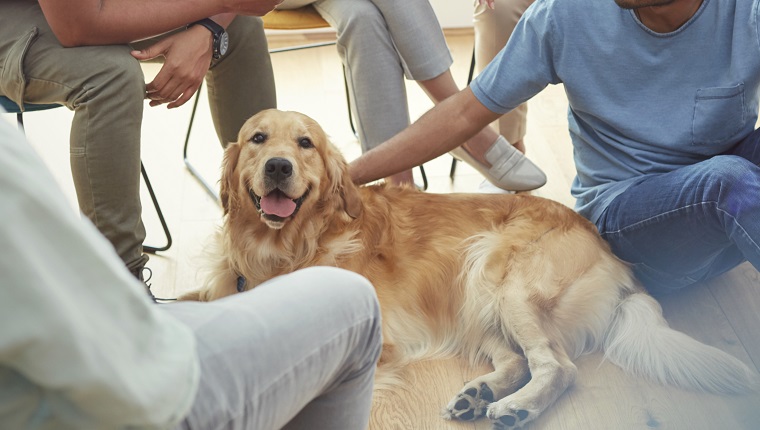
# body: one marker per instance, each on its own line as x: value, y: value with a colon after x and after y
x: 12, y: 107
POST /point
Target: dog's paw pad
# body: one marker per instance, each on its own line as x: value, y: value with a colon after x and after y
x: 467, y: 415
x: 461, y: 408
x: 470, y: 404
x: 512, y: 419
x: 462, y: 404
x: 485, y: 393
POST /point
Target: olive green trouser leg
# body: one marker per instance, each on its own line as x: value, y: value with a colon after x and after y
x: 105, y: 88
x: 241, y: 83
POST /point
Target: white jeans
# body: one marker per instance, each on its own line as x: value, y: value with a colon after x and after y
x: 298, y: 352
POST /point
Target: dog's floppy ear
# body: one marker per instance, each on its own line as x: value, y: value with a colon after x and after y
x: 227, y: 192
x: 341, y: 183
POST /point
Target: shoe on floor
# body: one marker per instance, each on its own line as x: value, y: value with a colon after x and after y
x: 510, y: 169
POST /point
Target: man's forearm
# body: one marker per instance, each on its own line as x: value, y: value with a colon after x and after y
x: 443, y: 128
x: 106, y: 22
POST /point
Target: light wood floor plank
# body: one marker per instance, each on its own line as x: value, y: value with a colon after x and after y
x: 738, y: 294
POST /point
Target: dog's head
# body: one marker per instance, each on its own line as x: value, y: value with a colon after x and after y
x: 283, y: 166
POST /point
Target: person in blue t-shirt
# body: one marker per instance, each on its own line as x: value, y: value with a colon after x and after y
x: 663, y: 102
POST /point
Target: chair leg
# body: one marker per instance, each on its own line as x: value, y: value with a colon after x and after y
x: 300, y: 47
x: 453, y: 169
x: 154, y: 249
x: 20, y: 121
x: 469, y: 79
x: 472, y: 66
x: 424, y: 178
x: 348, y: 104
x: 193, y: 171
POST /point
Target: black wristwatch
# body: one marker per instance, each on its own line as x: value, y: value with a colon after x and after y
x: 221, y: 39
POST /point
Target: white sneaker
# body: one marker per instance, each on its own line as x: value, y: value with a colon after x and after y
x: 510, y: 169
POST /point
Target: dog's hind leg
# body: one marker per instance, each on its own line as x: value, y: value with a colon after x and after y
x: 551, y: 369
x: 510, y: 373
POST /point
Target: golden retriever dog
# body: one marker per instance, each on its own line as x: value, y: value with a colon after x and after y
x: 520, y: 281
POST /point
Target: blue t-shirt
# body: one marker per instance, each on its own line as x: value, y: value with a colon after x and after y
x: 640, y: 102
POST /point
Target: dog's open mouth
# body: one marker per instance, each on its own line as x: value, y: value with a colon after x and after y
x: 277, y: 205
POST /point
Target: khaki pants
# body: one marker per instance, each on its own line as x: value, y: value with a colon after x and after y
x: 493, y: 27
x: 105, y: 87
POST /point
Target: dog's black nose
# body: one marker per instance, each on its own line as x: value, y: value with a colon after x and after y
x: 278, y: 169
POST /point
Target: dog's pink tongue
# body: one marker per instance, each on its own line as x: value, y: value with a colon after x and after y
x: 277, y: 203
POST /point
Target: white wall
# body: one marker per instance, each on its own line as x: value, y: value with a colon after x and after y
x: 453, y: 13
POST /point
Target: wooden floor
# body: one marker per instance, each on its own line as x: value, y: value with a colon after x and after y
x: 724, y: 312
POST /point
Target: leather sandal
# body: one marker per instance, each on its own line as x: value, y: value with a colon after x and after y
x: 510, y: 169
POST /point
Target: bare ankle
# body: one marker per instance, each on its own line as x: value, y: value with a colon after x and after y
x: 404, y: 178
x: 479, y: 144
x: 519, y: 145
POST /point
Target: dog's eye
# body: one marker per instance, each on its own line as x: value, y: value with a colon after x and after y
x: 305, y: 142
x: 259, y: 138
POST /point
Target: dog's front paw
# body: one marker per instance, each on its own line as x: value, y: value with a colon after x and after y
x: 470, y: 403
x: 508, y: 415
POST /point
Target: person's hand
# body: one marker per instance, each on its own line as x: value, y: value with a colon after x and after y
x: 490, y: 3
x: 250, y: 7
x: 187, y: 58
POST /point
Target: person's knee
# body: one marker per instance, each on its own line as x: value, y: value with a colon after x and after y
x: 362, y: 22
x: 116, y: 78
x: 731, y: 181
x: 729, y: 170
x: 349, y: 290
x: 342, y: 284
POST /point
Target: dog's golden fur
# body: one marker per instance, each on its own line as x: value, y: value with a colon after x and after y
x: 521, y: 281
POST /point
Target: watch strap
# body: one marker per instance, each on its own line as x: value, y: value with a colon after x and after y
x: 209, y: 23
x: 220, y: 38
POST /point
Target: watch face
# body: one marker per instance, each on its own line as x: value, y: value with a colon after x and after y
x: 224, y: 43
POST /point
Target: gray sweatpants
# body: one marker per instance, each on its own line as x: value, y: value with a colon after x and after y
x: 379, y: 42
x: 298, y: 352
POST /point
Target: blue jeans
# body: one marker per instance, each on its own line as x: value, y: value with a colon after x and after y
x: 691, y: 224
x: 297, y: 352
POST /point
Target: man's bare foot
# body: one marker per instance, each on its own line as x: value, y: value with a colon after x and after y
x: 519, y: 145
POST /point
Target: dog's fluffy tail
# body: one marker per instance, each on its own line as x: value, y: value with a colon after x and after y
x: 640, y: 341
